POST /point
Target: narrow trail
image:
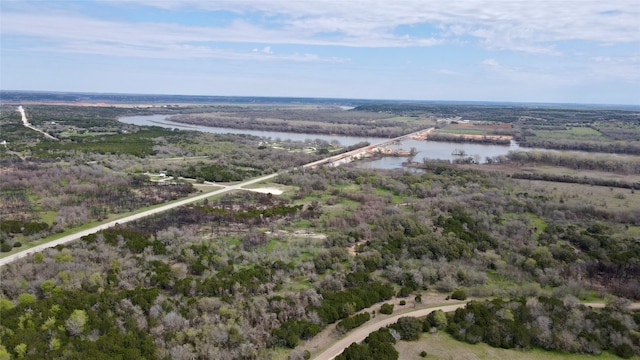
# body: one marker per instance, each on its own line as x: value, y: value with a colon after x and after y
x: 27, y: 124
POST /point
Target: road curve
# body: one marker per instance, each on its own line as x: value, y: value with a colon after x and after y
x: 361, y: 333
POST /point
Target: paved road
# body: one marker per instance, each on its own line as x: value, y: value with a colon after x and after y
x: 75, y: 236
x: 78, y: 235
x: 361, y: 333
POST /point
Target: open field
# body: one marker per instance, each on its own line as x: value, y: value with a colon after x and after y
x: 442, y: 346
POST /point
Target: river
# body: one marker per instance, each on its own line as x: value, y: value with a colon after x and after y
x: 424, y: 149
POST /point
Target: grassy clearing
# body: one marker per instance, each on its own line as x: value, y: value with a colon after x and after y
x: 443, y: 346
x: 302, y: 224
x: 396, y: 199
x: 296, y: 285
x: 585, y: 195
x: 539, y: 224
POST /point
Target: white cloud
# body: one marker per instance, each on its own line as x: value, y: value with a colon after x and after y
x: 502, y: 23
x: 519, y: 25
x: 491, y: 62
x: 141, y: 40
x: 448, y: 72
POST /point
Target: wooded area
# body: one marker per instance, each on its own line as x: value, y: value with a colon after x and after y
x: 254, y: 276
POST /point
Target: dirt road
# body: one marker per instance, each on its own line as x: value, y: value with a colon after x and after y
x: 361, y: 333
x: 26, y: 123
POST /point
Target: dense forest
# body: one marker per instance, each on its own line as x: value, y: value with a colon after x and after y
x: 248, y: 275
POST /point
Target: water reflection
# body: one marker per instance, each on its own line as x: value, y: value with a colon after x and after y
x: 424, y: 149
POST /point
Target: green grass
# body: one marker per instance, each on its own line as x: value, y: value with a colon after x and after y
x: 233, y: 241
x: 396, y: 199
x: 296, y: 285
x: 273, y: 244
x: 443, y: 346
x: 497, y: 280
x: 537, y: 222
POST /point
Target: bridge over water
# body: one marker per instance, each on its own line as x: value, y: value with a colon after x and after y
x: 364, y: 151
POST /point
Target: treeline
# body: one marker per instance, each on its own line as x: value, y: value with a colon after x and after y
x: 214, y: 172
x: 379, y: 344
x: 341, y: 304
x: 577, y: 180
x: 337, y: 122
x: 617, y: 147
x: 547, y: 323
x: 352, y: 322
x: 615, y: 164
x: 466, y: 139
x: 10, y: 228
x: 376, y: 346
x: 505, y: 113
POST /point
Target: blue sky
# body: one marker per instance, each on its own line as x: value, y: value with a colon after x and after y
x: 572, y: 51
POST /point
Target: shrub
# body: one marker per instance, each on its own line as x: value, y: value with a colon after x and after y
x: 459, y: 294
x: 436, y: 319
x: 624, y: 350
x: 386, y: 309
x: 409, y: 328
x: 26, y: 299
x: 352, y: 322
x: 405, y: 291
